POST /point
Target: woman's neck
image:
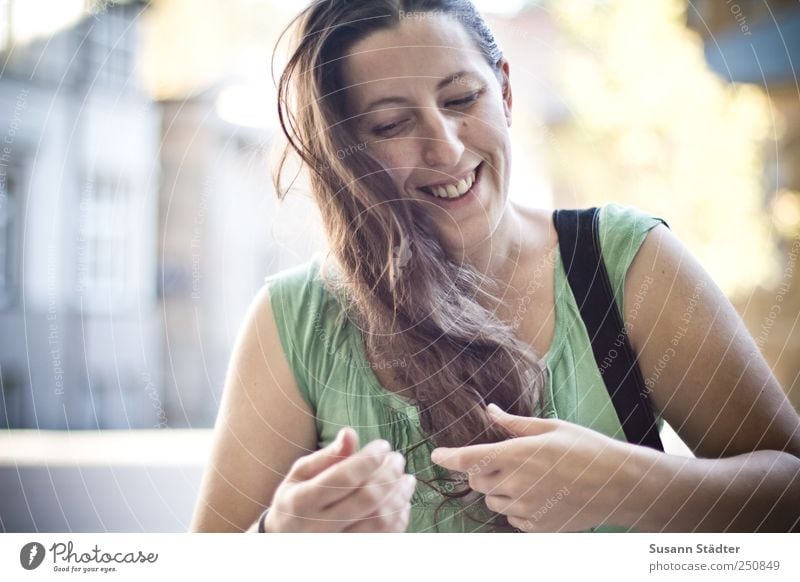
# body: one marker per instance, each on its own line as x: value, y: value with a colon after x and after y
x: 501, y: 256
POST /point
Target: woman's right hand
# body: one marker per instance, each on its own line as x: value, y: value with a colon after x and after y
x: 341, y: 489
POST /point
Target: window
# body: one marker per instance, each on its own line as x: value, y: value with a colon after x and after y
x: 9, y: 217
x: 103, y: 240
x: 110, y: 44
x: 5, y: 25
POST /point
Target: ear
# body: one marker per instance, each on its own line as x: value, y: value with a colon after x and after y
x: 505, y: 86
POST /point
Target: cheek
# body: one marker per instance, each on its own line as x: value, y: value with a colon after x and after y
x: 485, y: 133
x: 493, y: 123
x: 395, y: 153
x: 396, y: 156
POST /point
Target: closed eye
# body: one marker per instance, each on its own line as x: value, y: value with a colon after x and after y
x: 464, y: 101
x: 383, y: 130
x: 470, y: 99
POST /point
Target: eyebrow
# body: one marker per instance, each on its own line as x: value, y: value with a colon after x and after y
x: 444, y: 82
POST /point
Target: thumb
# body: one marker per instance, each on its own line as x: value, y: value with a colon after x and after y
x: 311, y: 465
x: 349, y: 441
x: 519, y: 425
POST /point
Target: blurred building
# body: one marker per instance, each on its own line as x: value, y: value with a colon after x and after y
x: 221, y: 231
x: 79, y: 344
x: 579, y: 69
x: 133, y: 234
x: 759, y: 43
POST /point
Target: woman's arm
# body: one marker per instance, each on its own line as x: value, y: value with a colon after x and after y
x: 263, y: 426
x: 265, y: 453
x: 709, y: 380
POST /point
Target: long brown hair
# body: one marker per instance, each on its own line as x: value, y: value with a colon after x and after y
x: 412, y: 302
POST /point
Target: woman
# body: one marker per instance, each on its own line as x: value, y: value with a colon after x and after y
x: 440, y: 296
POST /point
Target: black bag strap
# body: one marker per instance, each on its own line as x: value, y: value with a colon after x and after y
x: 579, y: 242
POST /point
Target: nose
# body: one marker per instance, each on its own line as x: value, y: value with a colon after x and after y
x: 441, y: 144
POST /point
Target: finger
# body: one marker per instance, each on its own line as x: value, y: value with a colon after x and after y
x: 362, y: 500
x: 537, y: 524
x: 349, y: 442
x: 490, y: 482
x: 500, y: 504
x: 522, y: 523
x: 341, y: 479
x: 389, y: 514
x: 520, y: 425
x: 396, y: 523
x: 389, y: 491
x: 313, y: 464
x: 471, y: 459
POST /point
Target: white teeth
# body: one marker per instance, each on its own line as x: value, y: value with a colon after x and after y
x: 454, y: 190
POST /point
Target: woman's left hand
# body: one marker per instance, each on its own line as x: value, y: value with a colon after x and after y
x: 552, y: 476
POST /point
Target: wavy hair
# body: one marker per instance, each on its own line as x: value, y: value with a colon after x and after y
x: 410, y: 299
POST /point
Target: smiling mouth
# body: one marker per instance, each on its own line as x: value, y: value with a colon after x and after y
x: 456, y: 189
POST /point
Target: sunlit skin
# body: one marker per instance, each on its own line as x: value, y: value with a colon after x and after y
x: 452, y: 112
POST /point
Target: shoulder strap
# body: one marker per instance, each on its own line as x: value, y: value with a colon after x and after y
x: 579, y: 242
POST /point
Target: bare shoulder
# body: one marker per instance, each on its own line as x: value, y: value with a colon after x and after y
x: 262, y: 427
x: 701, y: 366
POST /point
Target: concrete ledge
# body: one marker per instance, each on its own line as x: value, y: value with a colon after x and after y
x: 100, y: 481
x: 107, y: 447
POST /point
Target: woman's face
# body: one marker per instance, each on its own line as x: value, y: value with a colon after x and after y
x: 434, y: 113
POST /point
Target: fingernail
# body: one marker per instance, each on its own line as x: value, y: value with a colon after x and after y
x: 336, y: 445
x: 494, y: 409
x: 410, y: 482
x: 378, y: 447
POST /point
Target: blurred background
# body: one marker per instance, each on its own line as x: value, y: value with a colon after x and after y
x: 138, y: 219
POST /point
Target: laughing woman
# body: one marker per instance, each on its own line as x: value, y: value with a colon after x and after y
x: 440, y: 297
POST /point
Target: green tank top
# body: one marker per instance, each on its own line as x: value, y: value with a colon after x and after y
x: 337, y: 381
